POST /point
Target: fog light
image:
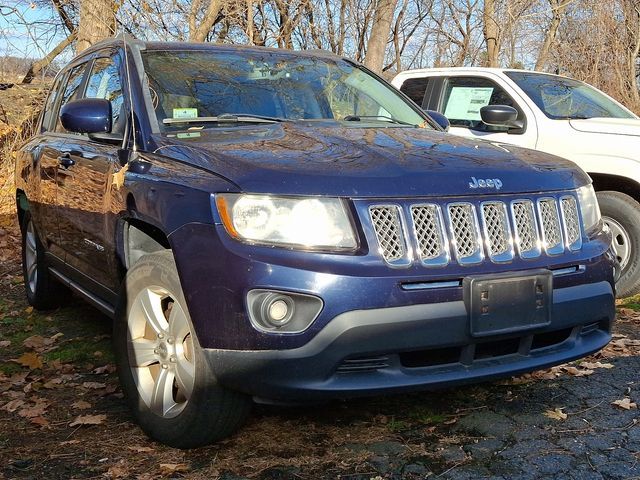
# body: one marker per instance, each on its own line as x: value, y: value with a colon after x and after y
x: 282, y: 312
x: 277, y: 309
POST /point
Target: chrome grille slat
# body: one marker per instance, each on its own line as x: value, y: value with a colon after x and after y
x: 428, y: 227
x: 465, y: 232
x: 526, y: 229
x: 389, y: 233
x: 571, y: 222
x: 497, y: 232
x: 550, y: 222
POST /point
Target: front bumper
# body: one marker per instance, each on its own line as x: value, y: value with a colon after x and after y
x: 416, y: 347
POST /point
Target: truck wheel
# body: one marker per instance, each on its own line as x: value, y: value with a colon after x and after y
x: 621, y: 214
x: 170, y: 387
x: 43, y: 291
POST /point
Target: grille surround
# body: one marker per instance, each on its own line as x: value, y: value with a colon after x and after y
x: 497, y: 231
x: 571, y: 222
x: 526, y: 233
x: 467, y: 232
x: 428, y: 223
x: 392, y: 244
x: 551, y: 228
x: 466, y: 238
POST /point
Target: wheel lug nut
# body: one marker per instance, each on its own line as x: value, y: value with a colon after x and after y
x: 160, y: 336
x: 156, y: 351
x: 172, y: 359
x: 169, y: 340
x: 165, y: 366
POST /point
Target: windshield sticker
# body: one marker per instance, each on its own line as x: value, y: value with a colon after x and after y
x: 465, y: 102
x: 185, y: 113
x: 188, y: 135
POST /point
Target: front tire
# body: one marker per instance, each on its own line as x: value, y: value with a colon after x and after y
x: 170, y: 387
x: 621, y: 214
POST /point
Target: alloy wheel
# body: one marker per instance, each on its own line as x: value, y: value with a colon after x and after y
x: 31, y: 257
x: 620, y: 244
x: 161, y: 351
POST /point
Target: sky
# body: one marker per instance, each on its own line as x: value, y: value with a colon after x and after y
x: 24, y: 31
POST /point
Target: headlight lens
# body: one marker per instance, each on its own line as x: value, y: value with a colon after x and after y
x: 302, y: 222
x: 589, y: 207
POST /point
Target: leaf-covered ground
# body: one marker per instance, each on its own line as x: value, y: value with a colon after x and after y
x: 62, y: 415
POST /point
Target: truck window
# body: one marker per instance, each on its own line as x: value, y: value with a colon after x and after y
x: 414, y: 88
x: 72, y: 91
x: 104, y: 82
x: 465, y: 96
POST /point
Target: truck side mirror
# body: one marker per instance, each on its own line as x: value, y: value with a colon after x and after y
x: 87, y: 115
x: 501, y: 116
x: 440, y: 119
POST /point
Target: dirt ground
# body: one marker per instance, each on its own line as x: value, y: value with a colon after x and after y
x: 62, y: 415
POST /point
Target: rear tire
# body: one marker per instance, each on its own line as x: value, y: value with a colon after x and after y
x: 43, y: 291
x: 170, y: 387
x: 621, y: 214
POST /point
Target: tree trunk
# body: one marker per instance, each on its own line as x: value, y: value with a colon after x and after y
x: 97, y: 22
x: 379, y: 36
x: 558, y: 9
x: 199, y: 32
x: 36, y: 67
x: 491, y: 33
x: 634, y: 52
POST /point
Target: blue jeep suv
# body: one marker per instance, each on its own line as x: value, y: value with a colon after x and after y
x: 285, y: 227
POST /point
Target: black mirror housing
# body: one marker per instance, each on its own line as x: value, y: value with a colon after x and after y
x: 440, y: 119
x: 501, y: 116
x: 87, y: 115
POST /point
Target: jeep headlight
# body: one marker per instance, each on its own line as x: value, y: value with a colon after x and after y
x: 589, y: 207
x: 298, y: 222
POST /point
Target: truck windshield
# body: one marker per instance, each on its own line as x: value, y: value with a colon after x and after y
x: 564, y: 98
x: 234, y: 87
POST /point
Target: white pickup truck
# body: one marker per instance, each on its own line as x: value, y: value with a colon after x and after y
x: 554, y: 114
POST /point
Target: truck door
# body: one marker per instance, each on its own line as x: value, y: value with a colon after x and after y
x: 460, y: 101
x: 84, y: 198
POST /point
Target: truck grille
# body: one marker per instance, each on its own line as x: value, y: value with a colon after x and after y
x: 469, y: 232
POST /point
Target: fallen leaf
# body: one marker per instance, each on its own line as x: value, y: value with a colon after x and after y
x: 53, y: 383
x: 35, y: 410
x: 13, y: 405
x: 556, y: 414
x: 30, y: 360
x: 625, y: 403
x: 43, y: 422
x: 139, y: 449
x: 109, y: 368
x: 28, y: 310
x: 118, y: 471
x: 81, y: 405
x: 94, y: 385
x: 5, y: 343
x: 173, y: 467
x: 88, y: 420
x: 577, y: 372
x: 594, y: 365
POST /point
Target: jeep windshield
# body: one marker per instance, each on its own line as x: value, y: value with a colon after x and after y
x: 192, y: 89
x: 562, y: 98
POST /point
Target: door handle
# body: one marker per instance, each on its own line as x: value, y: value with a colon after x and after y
x: 66, y: 161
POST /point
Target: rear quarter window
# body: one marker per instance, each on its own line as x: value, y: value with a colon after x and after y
x: 414, y: 88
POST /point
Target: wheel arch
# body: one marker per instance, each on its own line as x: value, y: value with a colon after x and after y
x: 617, y: 183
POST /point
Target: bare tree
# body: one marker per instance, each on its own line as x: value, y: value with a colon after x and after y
x: 379, y: 36
x: 558, y: 10
x: 97, y: 22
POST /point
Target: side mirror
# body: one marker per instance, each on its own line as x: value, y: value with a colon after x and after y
x: 439, y: 118
x: 87, y: 115
x: 501, y: 116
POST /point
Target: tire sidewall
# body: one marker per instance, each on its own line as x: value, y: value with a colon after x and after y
x: 626, y: 211
x: 159, y: 269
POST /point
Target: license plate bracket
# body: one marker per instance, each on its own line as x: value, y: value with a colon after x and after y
x: 507, y: 303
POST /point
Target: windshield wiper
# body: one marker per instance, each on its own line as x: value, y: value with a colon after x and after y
x: 226, y: 118
x: 357, y: 118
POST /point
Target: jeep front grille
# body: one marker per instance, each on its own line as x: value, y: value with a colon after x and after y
x: 469, y: 231
x: 387, y: 225
x: 466, y: 235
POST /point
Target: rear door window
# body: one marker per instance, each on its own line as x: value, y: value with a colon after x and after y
x: 415, y: 88
x: 72, y: 91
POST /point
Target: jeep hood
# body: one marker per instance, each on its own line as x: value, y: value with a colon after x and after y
x: 612, y: 126
x: 326, y: 159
